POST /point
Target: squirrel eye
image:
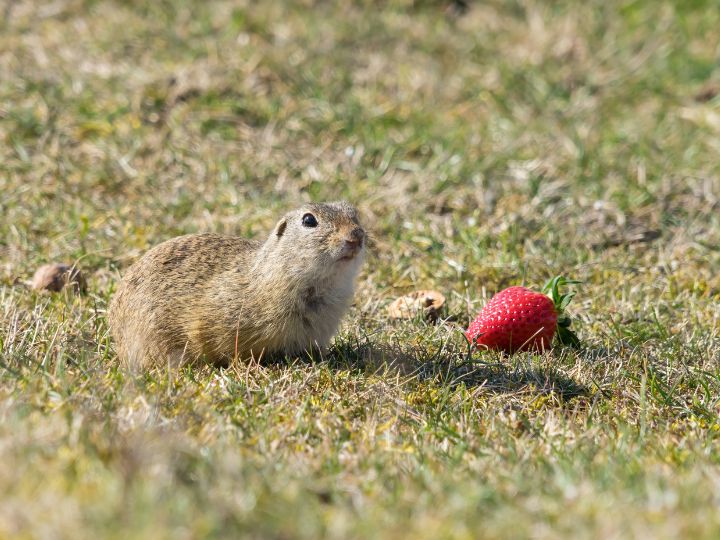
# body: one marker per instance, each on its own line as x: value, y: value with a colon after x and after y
x: 308, y: 220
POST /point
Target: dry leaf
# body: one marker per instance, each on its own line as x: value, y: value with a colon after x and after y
x: 407, y: 307
x: 53, y: 277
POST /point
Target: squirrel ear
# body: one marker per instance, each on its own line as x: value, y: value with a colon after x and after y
x: 280, y: 227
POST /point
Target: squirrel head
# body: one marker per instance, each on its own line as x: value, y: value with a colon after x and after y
x: 320, y: 239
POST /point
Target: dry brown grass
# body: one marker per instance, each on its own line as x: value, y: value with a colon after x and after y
x: 505, y: 145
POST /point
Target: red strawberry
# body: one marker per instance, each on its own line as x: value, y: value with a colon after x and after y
x: 518, y: 319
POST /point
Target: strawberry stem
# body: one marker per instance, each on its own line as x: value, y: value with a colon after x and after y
x: 552, y: 288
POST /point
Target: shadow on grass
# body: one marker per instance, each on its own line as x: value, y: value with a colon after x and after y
x: 449, y: 365
x: 509, y: 379
x: 495, y: 374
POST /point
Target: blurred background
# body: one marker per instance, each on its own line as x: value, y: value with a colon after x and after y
x: 481, y: 133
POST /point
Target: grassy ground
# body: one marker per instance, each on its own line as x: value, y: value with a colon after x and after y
x: 494, y: 146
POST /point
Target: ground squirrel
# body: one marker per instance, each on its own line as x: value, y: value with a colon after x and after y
x: 211, y: 298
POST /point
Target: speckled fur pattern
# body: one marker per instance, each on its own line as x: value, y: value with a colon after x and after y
x: 212, y: 298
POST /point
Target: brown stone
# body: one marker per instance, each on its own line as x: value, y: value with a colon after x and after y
x: 53, y: 277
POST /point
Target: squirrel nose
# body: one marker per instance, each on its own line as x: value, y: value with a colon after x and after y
x: 355, y: 238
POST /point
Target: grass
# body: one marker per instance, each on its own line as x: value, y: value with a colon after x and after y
x: 497, y: 145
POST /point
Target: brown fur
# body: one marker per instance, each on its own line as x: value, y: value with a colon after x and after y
x: 206, y: 297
